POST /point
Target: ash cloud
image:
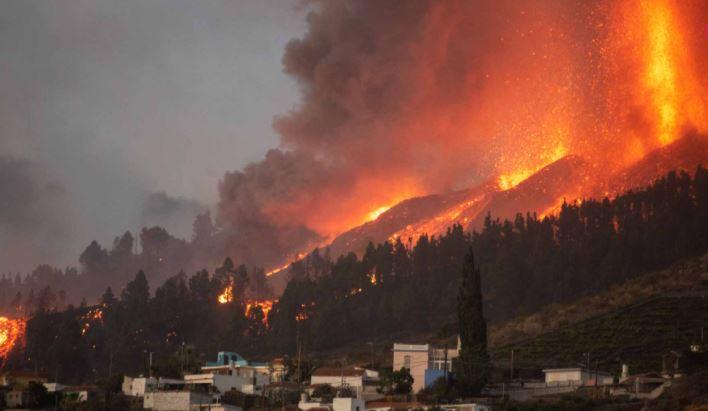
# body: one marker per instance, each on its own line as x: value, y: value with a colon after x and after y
x: 172, y: 212
x: 395, y: 97
x: 35, y: 214
x: 407, y: 98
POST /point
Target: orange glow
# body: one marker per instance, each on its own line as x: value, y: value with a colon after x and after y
x: 660, y: 76
x: 11, y: 332
x: 607, y: 82
x: 372, y: 278
x: 376, y: 213
x: 227, y: 295
x: 95, y: 314
x: 303, y: 314
x: 516, y: 176
x: 265, y: 305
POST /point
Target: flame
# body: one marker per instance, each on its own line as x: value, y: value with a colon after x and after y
x: 372, y: 278
x: 95, y: 314
x: 303, y: 314
x: 227, y: 295
x: 265, y: 305
x: 11, y: 332
x: 376, y: 213
x: 660, y: 77
x: 515, y: 177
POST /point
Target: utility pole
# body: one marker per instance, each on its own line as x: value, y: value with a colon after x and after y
x: 299, y: 350
x: 511, y: 366
x: 445, y: 366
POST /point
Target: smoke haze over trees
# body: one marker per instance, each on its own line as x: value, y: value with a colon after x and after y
x: 397, y: 100
x: 524, y: 265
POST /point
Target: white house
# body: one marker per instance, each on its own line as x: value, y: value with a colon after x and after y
x: 425, y: 363
x: 137, y: 387
x: 248, y: 384
x: 337, y: 404
x: 181, y: 401
x: 466, y: 407
x: 577, y: 376
x: 356, y: 378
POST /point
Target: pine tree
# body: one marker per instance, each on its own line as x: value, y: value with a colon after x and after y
x: 472, y: 365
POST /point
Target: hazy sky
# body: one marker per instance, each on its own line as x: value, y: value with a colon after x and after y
x: 114, y: 100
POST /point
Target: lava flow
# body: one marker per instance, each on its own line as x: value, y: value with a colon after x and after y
x: 11, y: 333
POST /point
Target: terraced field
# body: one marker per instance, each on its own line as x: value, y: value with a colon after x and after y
x: 637, y: 335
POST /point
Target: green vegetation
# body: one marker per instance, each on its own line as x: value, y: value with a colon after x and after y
x: 395, y: 290
x: 473, y: 363
x: 638, y: 335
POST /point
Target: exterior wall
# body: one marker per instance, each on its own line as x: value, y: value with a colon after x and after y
x: 224, y: 382
x: 16, y: 399
x: 415, y: 357
x: 564, y: 375
x: 578, y: 375
x: 336, y: 381
x: 466, y: 407
x: 174, y: 400
x: 433, y: 375
x: 136, y: 387
x: 348, y: 404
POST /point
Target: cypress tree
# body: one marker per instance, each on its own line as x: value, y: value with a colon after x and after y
x: 472, y: 365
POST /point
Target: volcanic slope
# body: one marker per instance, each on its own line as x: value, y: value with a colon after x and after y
x: 567, y: 179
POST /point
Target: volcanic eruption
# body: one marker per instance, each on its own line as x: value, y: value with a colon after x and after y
x: 467, y: 99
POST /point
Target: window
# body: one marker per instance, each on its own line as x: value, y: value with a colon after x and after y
x: 407, y: 361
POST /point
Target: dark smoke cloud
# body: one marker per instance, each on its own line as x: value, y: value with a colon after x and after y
x: 402, y: 98
x: 176, y: 213
x: 35, y: 216
x: 392, y: 107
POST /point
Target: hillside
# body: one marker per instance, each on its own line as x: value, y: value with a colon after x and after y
x: 683, y: 278
x: 634, y: 323
x: 569, y: 178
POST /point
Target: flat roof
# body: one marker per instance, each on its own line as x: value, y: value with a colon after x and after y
x: 410, y: 347
x: 576, y: 369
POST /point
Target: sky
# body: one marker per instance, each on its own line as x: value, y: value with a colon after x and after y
x: 118, y: 114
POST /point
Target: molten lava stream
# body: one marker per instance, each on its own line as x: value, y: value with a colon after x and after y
x: 11, y: 332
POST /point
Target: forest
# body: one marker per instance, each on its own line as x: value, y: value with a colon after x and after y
x: 392, y: 289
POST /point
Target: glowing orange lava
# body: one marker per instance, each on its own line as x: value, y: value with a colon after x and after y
x: 11, y: 332
x: 377, y: 212
x: 516, y: 176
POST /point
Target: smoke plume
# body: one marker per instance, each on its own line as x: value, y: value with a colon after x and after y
x: 30, y: 198
x: 406, y: 98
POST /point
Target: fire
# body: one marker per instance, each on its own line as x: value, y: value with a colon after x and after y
x: 11, y: 332
x: 303, y: 314
x: 372, y: 278
x: 95, y: 314
x: 515, y: 177
x: 227, y: 295
x: 376, y: 213
x: 265, y: 305
x: 660, y: 77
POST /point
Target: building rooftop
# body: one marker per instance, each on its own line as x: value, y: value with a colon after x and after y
x: 228, y: 357
x: 410, y: 347
x: 336, y: 372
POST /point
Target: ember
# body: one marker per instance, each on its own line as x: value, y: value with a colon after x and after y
x: 95, y: 314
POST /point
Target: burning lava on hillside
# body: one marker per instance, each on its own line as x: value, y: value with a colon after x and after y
x: 502, y: 106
